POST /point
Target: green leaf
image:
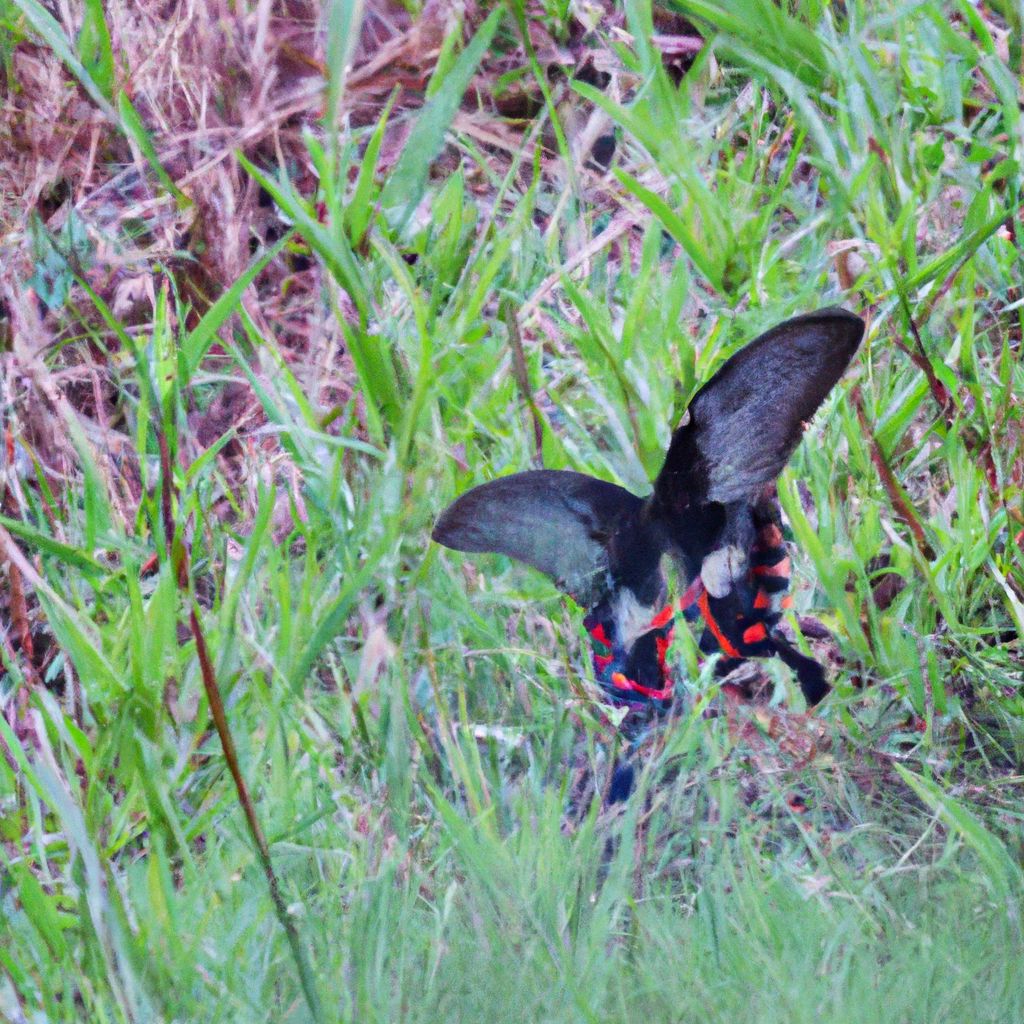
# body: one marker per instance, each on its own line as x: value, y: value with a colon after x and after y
x: 94, y: 47
x: 768, y: 31
x: 136, y: 130
x: 1002, y: 871
x: 943, y: 265
x: 677, y: 227
x: 198, y: 341
x: 39, y: 909
x: 47, y: 26
x: 333, y: 246
x: 71, y: 556
x: 408, y: 181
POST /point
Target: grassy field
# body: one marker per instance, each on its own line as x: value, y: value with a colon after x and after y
x: 277, y: 282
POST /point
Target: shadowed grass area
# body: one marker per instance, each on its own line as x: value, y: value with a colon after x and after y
x: 248, y: 352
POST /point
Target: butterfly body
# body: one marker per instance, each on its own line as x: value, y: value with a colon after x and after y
x: 712, y: 511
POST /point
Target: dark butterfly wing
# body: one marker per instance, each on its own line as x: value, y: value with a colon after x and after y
x: 743, y: 425
x: 713, y: 496
x: 565, y: 524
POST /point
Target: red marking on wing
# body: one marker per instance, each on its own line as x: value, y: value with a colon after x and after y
x: 779, y: 569
x: 662, y: 617
x: 716, y: 631
x: 625, y: 683
x: 693, y: 593
x: 752, y: 634
x: 661, y: 645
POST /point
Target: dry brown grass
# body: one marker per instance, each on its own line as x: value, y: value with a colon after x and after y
x: 210, y: 82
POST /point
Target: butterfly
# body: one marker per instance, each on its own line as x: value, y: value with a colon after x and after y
x: 713, y: 511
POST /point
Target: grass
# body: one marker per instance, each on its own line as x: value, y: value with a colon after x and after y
x: 248, y: 357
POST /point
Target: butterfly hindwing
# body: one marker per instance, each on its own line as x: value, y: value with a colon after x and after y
x: 560, y: 522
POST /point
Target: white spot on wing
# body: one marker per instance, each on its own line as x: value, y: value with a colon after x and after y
x: 722, y: 568
x: 632, y: 619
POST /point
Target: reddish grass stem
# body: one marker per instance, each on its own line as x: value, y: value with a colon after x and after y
x: 179, y: 557
x: 897, y: 496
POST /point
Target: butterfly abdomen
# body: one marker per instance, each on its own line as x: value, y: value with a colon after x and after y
x: 770, y: 567
x: 739, y: 624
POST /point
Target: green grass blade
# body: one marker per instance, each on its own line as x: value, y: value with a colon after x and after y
x: 408, y: 181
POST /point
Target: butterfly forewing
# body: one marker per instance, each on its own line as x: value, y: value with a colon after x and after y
x: 743, y: 425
